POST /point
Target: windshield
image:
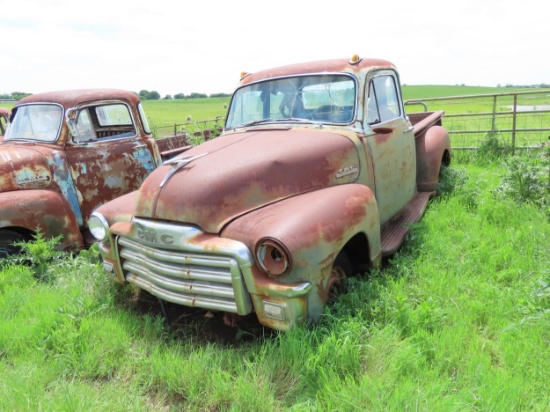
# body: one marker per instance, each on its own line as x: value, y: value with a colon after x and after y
x: 40, y: 122
x: 314, y: 98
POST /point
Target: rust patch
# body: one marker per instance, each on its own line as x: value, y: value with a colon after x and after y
x: 224, y: 184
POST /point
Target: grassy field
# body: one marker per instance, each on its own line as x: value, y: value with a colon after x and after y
x: 174, y: 111
x: 192, y: 115
x: 457, y: 320
x: 167, y: 112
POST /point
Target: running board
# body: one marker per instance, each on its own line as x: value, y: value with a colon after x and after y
x: 394, y: 232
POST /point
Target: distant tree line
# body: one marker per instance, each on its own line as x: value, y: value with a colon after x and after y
x: 532, y: 86
x: 13, y: 95
x: 143, y: 95
x: 154, y: 95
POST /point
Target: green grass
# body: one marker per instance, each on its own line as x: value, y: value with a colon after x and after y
x: 431, y: 91
x: 166, y: 112
x: 194, y: 115
x: 457, y: 320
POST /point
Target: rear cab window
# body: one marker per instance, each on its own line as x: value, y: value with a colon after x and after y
x: 104, y: 122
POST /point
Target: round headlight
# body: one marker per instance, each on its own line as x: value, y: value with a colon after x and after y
x: 99, y: 228
x: 273, y: 257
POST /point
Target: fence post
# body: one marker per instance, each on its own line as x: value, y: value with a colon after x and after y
x: 514, y: 125
x: 494, y: 115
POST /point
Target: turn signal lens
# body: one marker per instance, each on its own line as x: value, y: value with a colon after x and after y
x: 355, y: 59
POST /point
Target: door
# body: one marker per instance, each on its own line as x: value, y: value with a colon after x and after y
x: 390, y: 140
x: 107, y: 155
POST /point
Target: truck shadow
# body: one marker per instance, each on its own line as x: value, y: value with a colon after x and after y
x: 199, y: 324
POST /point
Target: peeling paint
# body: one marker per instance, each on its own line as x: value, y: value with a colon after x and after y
x: 263, y: 216
x: 55, y: 185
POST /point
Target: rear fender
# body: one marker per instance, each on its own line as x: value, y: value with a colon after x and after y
x: 42, y: 209
x: 314, y: 228
x: 432, y: 149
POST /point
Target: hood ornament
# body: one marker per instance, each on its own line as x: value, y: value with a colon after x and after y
x: 177, y: 163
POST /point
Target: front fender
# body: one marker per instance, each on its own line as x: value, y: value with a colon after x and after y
x: 314, y: 227
x: 432, y: 148
x: 43, y: 209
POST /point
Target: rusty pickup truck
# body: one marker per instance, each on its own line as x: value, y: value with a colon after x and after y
x: 65, y: 153
x: 315, y: 177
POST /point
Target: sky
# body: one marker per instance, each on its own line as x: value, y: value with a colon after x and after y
x: 203, y: 46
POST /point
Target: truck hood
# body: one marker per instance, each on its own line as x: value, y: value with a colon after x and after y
x: 236, y: 173
x: 23, y: 168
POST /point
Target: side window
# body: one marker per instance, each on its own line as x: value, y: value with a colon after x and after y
x: 383, y: 100
x: 84, y: 127
x: 143, y: 118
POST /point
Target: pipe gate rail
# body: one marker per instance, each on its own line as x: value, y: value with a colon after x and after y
x: 518, y: 120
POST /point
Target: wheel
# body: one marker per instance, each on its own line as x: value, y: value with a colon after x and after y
x: 341, y: 269
x: 7, y: 240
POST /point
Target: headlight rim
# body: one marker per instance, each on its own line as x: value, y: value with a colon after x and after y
x: 272, y: 268
x: 103, y: 225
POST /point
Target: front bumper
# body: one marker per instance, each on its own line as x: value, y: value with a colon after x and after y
x: 181, y: 264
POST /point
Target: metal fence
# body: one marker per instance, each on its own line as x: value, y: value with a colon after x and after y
x: 519, y: 120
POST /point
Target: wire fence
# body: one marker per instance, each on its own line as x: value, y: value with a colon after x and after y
x: 195, y: 132
x: 520, y: 120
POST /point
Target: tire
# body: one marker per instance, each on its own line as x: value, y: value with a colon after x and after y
x: 341, y: 270
x: 7, y: 240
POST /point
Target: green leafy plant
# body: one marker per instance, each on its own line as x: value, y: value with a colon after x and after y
x: 492, y: 148
x: 41, y: 254
x: 527, y: 179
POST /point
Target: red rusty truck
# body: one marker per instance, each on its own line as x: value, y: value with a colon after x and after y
x: 315, y: 177
x: 67, y: 152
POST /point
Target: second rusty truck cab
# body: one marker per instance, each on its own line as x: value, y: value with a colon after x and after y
x: 64, y: 154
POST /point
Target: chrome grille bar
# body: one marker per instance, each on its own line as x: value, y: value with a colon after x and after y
x: 183, y: 276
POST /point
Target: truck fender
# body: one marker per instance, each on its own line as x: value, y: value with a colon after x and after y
x: 29, y: 210
x: 433, y: 150
x: 313, y: 228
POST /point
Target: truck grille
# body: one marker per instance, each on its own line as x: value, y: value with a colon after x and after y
x: 184, y: 275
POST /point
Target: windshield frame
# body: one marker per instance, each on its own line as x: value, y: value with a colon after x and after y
x: 275, y: 87
x: 14, y: 123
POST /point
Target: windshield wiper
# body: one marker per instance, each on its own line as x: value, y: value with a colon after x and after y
x: 295, y: 119
x: 255, y: 122
x: 283, y: 120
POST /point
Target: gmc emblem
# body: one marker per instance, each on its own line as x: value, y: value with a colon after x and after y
x: 149, y: 235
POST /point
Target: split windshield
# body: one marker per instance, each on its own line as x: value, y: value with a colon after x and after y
x: 40, y: 122
x: 326, y: 98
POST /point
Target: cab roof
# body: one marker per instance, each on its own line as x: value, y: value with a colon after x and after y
x: 71, y: 98
x: 355, y: 64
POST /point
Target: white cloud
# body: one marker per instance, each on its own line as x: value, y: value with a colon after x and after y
x: 203, y: 46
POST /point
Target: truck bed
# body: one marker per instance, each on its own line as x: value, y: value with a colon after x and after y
x: 424, y: 120
x: 172, y: 145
